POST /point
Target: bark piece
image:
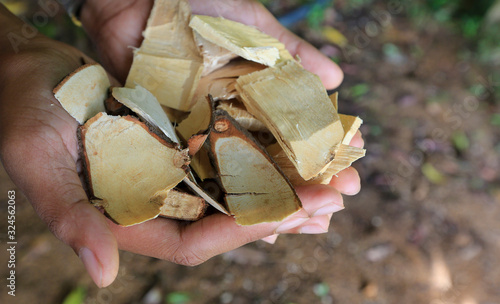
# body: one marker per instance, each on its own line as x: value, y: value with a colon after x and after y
x: 180, y: 205
x: 145, y: 104
x: 168, y: 62
x: 238, y: 112
x: 294, y: 106
x: 243, y: 40
x: 127, y: 165
x: 115, y: 108
x: 83, y: 92
x: 256, y: 189
x: 214, y: 56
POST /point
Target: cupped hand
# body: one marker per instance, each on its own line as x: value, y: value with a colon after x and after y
x: 38, y: 145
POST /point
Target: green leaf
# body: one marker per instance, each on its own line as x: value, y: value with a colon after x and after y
x: 177, y: 298
x: 76, y: 296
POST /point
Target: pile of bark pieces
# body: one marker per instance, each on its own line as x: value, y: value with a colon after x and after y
x: 250, y: 124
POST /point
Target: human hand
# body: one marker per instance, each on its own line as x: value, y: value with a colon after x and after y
x: 115, y: 26
x: 39, y: 148
x: 37, y: 140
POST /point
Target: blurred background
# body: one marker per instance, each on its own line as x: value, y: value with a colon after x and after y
x: 424, y: 76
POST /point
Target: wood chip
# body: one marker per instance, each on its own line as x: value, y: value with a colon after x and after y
x: 294, y: 106
x: 256, y: 189
x: 83, y: 92
x: 243, y: 40
x: 126, y: 165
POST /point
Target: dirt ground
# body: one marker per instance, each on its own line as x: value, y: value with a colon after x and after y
x: 424, y: 229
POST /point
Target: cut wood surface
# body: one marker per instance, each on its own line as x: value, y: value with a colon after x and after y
x: 83, y: 92
x: 243, y: 40
x: 256, y: 189
x: 294, y: 106
x: 180, y: 205
x: 168, y: 62
x: 127, y: 164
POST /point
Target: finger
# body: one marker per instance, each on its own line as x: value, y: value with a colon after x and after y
x: 347, y: 181
x: 316, y: 225
x: 357, y: 140
x: 254, y: 13
x: 194, y: 243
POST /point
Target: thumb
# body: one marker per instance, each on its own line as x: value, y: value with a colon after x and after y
x: 47, y: 176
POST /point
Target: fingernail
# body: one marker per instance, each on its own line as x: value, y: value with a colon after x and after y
x: 270, y: 239
x: 290, y: 225
x: 92, y: 265
x: 328, y: 209
x: 312, y: 229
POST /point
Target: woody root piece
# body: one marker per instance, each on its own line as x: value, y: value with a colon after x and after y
x: 129, y: 167
x: 294, y: 106
x: 256, y: 189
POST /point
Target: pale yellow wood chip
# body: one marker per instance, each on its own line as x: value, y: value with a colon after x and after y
x: 243, y: 40
x: 294, y: 106
x: 180, y: 205
x: 351, y: 125
x: 83, y: 92
x: 214, y: 56
x: 168, y: 63
x: 127, y: 165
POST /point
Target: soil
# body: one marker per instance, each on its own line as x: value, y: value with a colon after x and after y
x: 425, y: 227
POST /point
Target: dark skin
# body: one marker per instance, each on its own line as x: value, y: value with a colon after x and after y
x: 39, y: 149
